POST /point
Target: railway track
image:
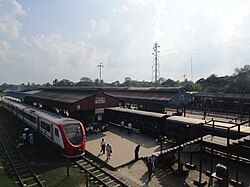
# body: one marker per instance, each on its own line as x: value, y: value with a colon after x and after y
x: 18, y: 166
x: 96, y: 174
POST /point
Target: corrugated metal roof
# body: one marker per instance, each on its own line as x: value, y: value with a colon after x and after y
x: 138, y: 112
x: 147, y: 89
x: 21, y: 95
x: 63, y: 97
x: 141, y: 95
x: 223, y: 95
x: 71, y: 95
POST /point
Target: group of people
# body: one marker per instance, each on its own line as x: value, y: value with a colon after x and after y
x: 107, y: 147
x: 27, y: 138
x: 129, y: 126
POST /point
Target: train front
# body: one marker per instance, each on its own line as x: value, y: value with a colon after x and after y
x: 74, y: 139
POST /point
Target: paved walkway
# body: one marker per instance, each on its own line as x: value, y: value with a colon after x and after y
x: 123, y: 146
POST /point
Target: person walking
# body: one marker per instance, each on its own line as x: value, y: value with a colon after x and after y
x: 150, y: 169
x: 137, y: 149
x: 103, y: 146
x: 109, y: 151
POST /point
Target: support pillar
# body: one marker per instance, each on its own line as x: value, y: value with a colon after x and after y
x: 199, y: 181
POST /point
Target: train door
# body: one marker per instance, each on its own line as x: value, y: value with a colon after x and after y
x: 56, y: 137
x: 52, y: 132
x: 38, y: 122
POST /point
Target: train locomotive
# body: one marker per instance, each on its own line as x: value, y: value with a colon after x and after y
x: 67, y: 133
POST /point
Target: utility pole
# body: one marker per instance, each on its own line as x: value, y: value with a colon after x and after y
x: 191, y: 69
x: 100, y: 66
x: 156, y: 64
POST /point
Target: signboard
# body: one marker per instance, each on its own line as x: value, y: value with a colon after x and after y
x: 99, y: 111
x: 99, y: 100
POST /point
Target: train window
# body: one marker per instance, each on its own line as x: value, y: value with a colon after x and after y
x: 45, y: 126
x: 73, y: 132
x: 56, y: 132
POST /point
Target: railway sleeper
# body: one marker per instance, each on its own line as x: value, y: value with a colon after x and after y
x: 19, y: 164
x: 80, y: 161
x: 117, y: 185
x: 107, y: 178
x: 33, y: 184
x: 110, y: 182
x: 29, y: 178
x: 12, y: 151
x: 23, y: 170
x: 100, y: 175
x: 96, y: 171
x: 89, y: 168
x: 20, y: 167
x: 25, y: 175
x: 84, y: 164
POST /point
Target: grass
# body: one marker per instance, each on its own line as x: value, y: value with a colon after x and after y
x: 58, y: 177
x: 4, y: 180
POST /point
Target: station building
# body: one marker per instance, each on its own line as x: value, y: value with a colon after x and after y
x: 223, y: 101
x: 88, y: 103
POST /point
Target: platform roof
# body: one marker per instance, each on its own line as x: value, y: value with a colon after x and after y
x: 138, y: 93
x: 64, y: 97
x: 21, y: 95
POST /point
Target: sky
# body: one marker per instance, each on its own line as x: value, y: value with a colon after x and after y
x: 64, y: 39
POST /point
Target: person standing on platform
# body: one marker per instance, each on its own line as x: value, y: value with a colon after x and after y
x: 109, y: 151
x: 129, y: 128
x: 31, y: 138
x: 122, y: 124
x: 103, y: 146
x: 204, y: 115
x: 137, y: 149
x: 24, y: 138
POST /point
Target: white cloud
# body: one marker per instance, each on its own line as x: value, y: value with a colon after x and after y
x: 125, y: 33
x: 9, y: 26
x: 93, y: 23
x: 233, y: 22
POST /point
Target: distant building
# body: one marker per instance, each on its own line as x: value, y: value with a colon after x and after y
x: 223, y: 101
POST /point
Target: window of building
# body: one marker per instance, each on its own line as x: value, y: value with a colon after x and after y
x: 78, y: 107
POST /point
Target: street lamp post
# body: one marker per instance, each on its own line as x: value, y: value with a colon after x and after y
x: 100, y: 66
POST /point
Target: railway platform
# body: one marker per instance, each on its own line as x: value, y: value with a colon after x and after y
x: 123, y: 146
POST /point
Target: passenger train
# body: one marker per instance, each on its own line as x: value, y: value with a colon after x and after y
x: 177, y: 128
x: 66, y: 133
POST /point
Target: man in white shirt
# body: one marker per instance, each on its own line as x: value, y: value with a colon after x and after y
x: 103, y: 146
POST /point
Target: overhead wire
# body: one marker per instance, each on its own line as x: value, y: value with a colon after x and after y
x: 201, y: 49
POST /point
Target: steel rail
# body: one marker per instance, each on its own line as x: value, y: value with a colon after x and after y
x: 35, y: 177
x: 97, y: 168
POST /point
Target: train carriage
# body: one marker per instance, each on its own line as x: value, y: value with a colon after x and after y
x: 178, y: 128
x: 149, y: 123
x: 67, y: 133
